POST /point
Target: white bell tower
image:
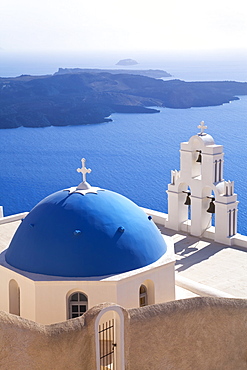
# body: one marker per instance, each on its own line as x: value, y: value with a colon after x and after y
x: 198, y: 190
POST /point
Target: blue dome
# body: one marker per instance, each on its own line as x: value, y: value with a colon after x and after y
x: 75, y: 235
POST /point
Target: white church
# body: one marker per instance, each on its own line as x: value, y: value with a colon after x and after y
x: 83, y: 246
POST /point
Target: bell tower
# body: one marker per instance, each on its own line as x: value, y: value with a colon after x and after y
x: 198, y: 191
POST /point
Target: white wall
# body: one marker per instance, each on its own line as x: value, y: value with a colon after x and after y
x: 27, y: 293
x: 46, y: 302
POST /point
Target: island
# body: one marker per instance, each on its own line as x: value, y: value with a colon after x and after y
x: 126, y: 62
x: 155, y: 73
x: 89, y: 97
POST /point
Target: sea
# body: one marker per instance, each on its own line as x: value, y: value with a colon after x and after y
x: 135, y: 153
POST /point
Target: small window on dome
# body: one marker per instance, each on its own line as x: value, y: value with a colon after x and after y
x: 143, y: 296
x: 78, y: 304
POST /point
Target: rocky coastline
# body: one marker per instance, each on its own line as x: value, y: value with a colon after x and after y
x: 88, y: 97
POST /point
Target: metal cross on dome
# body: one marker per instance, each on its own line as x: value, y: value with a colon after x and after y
x: 202, y: 127
x: 84, y: 170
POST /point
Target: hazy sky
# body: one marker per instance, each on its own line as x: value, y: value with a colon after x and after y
x: 95, y: 25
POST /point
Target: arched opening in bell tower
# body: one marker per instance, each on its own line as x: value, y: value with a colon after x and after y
x: 208, y: 208
x: 185, y: 202
x: 196, y: 159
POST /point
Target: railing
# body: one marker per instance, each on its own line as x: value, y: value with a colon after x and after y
x: 107, y: 345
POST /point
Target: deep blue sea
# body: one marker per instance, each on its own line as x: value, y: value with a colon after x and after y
x: 132, y: 155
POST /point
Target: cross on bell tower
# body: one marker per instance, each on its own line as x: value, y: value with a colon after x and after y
x: 202, y: 127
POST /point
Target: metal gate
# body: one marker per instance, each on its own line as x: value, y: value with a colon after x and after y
x: 107, y: 345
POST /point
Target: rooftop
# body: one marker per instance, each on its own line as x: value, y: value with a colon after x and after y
x: 209, y: 263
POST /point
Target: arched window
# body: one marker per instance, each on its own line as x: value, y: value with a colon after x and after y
x: 143, y: 296
x: 78, y: 304
x: 14, y: 298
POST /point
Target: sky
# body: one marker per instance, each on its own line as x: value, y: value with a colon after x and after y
x: 108, y: 25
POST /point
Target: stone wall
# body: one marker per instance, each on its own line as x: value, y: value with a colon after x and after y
x: 191, y: 334
x: 25, y: 345
x: 198, y: 333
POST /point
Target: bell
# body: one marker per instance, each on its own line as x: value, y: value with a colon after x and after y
x: 187, y: 200
x: 199, y: 158
x: 211, y: 208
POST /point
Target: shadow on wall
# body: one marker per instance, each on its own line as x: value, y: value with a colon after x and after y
x: 198, y: 333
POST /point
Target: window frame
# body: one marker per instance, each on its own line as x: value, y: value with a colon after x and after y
x: 77, y: 304
x: 143, y: 295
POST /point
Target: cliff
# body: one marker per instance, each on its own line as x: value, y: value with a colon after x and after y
x: 82, y: 98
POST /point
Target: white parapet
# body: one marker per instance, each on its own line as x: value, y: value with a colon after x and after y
x: 12, y: 218
x: 160, y: 218
x: 200, y: 289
